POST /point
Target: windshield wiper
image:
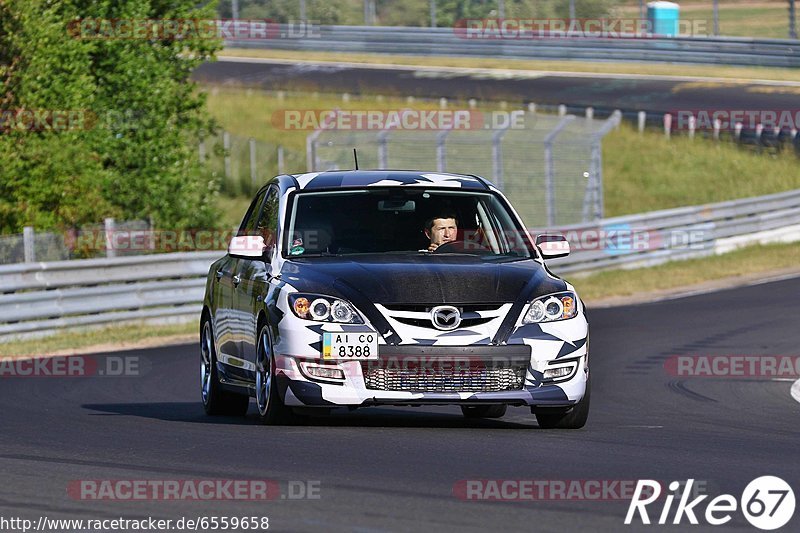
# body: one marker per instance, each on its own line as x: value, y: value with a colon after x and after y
x: 315, y: 254
x: 497, y: 258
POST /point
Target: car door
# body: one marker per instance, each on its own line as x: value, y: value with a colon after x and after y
x: 231, y: 325
x: 224, y: 320
x: 255, y: 278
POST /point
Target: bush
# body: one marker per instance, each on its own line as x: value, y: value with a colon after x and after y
x: 133, y: 156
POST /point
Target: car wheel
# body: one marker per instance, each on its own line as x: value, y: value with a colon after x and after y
x: 271, y: 409
x: 574, y: 418
x: 216, y: 400
x: 483, y: 411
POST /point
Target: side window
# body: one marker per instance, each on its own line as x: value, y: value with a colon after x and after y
x: 267, y: 225
x: 248, y: 226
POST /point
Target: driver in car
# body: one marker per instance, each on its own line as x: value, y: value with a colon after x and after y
x: 441, y: 229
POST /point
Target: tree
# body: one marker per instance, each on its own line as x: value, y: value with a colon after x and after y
x: 131, y: 154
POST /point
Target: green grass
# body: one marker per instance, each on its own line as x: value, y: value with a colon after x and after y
x: 640, y: 172
x: 749, y: 260
x: 648, y: 172
x: 232, y: 209
x: 112, y: 335
x: 250, y: 113
x: 736, y: 19
x: 599, y: 67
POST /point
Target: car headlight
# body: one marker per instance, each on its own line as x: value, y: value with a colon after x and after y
x: 323, y: 309
x: 550, y: 308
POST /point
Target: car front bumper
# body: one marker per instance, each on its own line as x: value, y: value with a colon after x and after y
x: 421, y: 375
x: 456, y: 360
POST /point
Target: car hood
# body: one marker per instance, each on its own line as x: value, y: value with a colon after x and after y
x: 421, y: 279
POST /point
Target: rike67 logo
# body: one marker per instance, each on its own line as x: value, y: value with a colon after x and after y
x: 767, y: 503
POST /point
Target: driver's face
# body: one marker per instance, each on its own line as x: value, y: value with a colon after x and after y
x: 443, y: 230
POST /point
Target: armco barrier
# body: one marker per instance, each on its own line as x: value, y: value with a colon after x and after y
x: 647, y: 239
x: 446, y: 41
x: 38, y: 298
x: 43, y: 297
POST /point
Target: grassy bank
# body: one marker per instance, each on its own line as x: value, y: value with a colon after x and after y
x: 640, y: 172
x: 102, y: 339
x: 678, y: 274
x: 649, y: 172
x: 258, y: 114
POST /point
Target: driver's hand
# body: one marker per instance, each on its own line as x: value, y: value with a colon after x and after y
x: 432, y: 247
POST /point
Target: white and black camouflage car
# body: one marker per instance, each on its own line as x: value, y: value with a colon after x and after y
x: 334, y: 294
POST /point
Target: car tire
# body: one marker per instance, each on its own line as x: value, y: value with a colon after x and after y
x: 216, y: 400
x: 573, y: 418
x: 271, y: 409
x: 484, y: 411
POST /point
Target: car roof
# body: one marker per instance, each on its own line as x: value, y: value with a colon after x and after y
x: 387, y: 178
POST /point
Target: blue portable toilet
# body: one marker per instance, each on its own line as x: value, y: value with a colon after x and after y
x: 663, y: 18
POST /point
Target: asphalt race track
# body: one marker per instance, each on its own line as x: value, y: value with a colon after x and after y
x: 394, y: 469
x: 604, y: 92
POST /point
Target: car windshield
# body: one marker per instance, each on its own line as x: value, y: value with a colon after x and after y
x: 394, y: 220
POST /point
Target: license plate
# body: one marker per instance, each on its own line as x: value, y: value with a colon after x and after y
x: 358, y: 345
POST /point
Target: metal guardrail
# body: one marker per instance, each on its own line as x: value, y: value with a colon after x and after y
x: 38, y: 298
x: 653, y: 238
x: 449, y: 41
x: 43, y: 297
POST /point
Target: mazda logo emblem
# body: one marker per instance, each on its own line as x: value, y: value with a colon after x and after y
x: 445, y: 317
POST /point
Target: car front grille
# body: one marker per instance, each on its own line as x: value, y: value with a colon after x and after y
x: 442, y: 376
x: 419, y: 315
x: 426, y: 322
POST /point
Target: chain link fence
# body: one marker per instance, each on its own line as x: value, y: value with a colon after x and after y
x: 724, y: 17
x: 551, y: 168
x: 244, y: 164
x: 110, y: 239
x: 89, y: 241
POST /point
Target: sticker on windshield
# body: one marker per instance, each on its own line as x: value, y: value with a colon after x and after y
x: 297, y: 247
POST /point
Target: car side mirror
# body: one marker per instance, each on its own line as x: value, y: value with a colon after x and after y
x: 247, y: 247
x: 552, y: 246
